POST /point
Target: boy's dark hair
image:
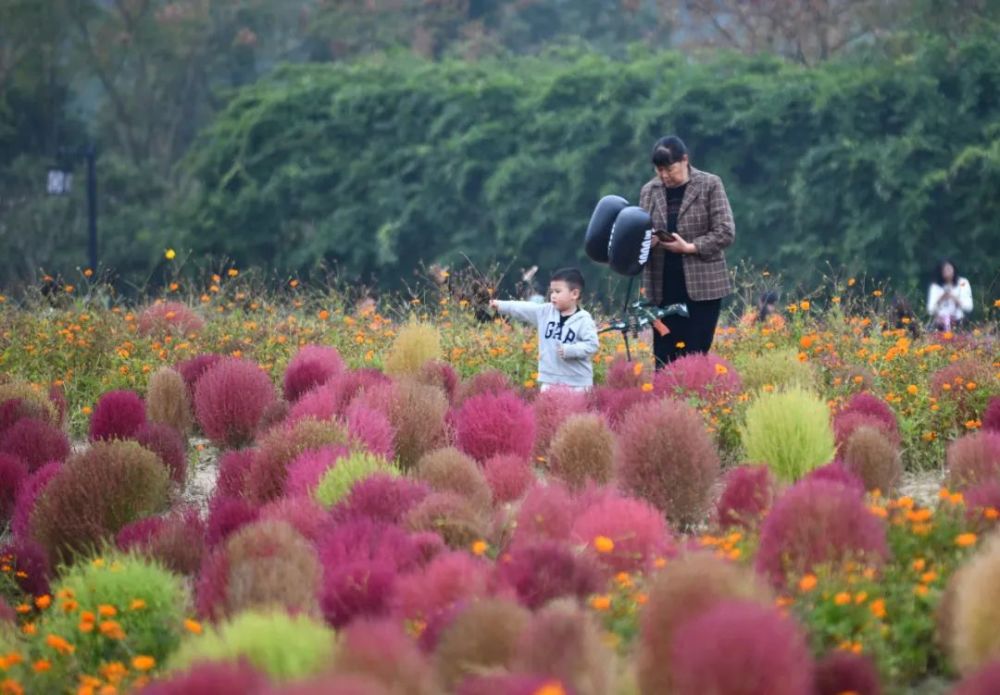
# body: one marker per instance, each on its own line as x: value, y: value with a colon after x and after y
x: 571, y: 276
x: 668, y: 150
x: 938, y: 275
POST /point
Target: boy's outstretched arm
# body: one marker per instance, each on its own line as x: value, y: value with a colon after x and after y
x: 586, y: 345
x: 525, y: 311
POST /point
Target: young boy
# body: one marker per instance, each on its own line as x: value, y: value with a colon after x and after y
x: 567, y: 335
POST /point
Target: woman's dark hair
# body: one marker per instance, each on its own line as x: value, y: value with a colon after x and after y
x: 668, y: 150
x: 938, y: 274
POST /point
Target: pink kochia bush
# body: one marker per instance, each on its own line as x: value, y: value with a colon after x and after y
x: 381, y: 650
x: 552, y: 408
x: 230, y: 399
x: 447, y: 580
x: 666, y: 457
x: 491, y: 424
x: 636, y: 529
x: 311, y: 366
x: 193, y: 368
x: 508, y: 476
x: 361, y: 560
x: 865, y: 405
x: 167, y: 443
x: 177, y: 541
x: 371, y: 430
x: 13, y: 472
x: 985, y: 681
x: 547, y: 511
x: 816, y: 522
x: 306, y: 469
x: 746, y: 495
x: 35, y: 442
x: 615, y: 403
x: 708, y: 376
x: 212, y: 678
x: 332, y: 398
x: 837, y: 472
x: 226, y: 515
x: 169, y: 317
x: 540, y: 571
x: 741, y: 648
x: 117, y: 415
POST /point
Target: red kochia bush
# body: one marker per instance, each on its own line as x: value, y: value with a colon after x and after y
x: 624, y: 374
x: 381, y: 497
x: 837, y: 472
x: 491, y: 424
x: 331, y: 399
x: 306, y: 469
x: 552, y: 408
x: 230, y: 399
x: 234, y: 466
x: 226, y: 515
x: 746, y: 495
x: 874, y: 407
x: 311, y: 366
x: 27, y: 495
x: 706, y: 376
x: 815, y: 522
x: 991, y: 416
x: 117, y: 415
x: 360, y: 561
x: 303, y: 514
x: 95, y: 494
x: 15, y: 409
x: 635, y: 528
x: 666, y: 456
x: 381, y: 649
x: 35, y: 442
x: 615, y: 403
x: 543, y: 570
x: 167, y: 443
x: 741, y: 648
x: 973, y: 459
x: 985, y: 681
x: 843, y: 672
x: 177, y: 541
x: 193, y: 368
x: 13, y: 472
x: 29, y: 565
x: 490, y: 381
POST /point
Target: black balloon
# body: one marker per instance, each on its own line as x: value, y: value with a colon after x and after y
x: 599, y: 229
x: 631, y: 239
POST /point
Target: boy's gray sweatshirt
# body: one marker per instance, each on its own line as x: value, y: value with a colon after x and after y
x: 577, y: 334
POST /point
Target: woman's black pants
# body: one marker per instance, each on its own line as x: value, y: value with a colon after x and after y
x: 687, y: 335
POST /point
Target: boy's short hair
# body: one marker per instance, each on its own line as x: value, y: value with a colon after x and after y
x: 571, y: 276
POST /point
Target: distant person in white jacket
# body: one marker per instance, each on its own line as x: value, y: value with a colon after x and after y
x: 567, y: 335
x: 949, y: 298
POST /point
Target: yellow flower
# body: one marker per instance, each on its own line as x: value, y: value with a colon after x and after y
x: 647, y: 387
x: 912, y: 390
x: 603, y: 544
x: 808, y: 583
x: 479, y: 547
x: 192, y: 626
x: 143, y: 663
x: 842, y: 599
x: 861, y: 597
x: 851, y: 282
x: 60, y: 644
x: 680, y: 345
x: 170, y: 254
x: 232, y: 272
x: 137, y: 604
x: 550, y: 688
x: 721, y: 369
x: 964, y: 540
x: 804, y: 305
x: 42, y: 665
x: 107, y: 611
x: 877, y: 607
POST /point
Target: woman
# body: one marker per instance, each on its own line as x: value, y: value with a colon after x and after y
x: 949, y: 298
x: 694, y: 224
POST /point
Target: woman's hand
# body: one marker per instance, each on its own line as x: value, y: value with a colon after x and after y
x: 675, y: 244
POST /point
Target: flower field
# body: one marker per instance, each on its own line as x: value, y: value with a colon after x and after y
x: 392, y: 506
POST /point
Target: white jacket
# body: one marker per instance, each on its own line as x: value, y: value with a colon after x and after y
x: 577, y: 335
x: 954, y: 307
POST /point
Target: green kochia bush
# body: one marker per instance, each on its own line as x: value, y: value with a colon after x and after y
x: 789, y: 431
x: 338, y: 480
x: 778, y: 368
x: 283, y: 646
x: 150, y: 605
x: 416, y: 344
